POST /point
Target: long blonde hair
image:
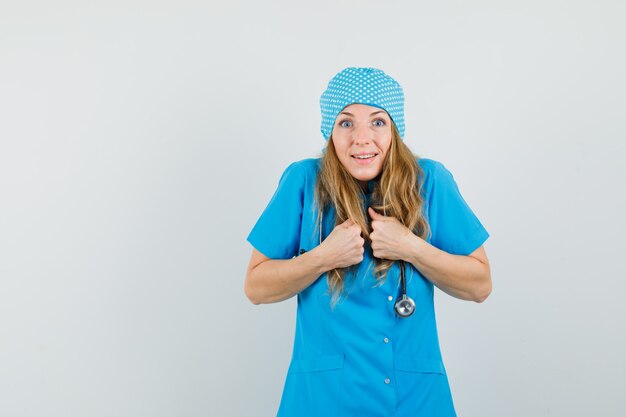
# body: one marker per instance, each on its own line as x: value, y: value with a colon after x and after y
x: 396, y: 194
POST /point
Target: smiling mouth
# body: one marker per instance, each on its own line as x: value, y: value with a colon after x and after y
x: 364, y: 157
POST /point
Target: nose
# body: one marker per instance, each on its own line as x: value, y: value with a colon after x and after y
x: 361, y: 133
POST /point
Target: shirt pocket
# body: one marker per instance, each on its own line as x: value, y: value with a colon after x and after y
x: 423, y: 388
x: 314, y: 385
x: 316, y: 364
x: 409, y: 364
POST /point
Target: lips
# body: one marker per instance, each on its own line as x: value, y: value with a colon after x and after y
x: 364, y: 160
x: 364, y: 155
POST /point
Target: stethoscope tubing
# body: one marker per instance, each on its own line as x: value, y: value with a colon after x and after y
x: 404, y: 306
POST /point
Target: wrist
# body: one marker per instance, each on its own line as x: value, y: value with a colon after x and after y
x: 416, y: 247
x: 318, y: 260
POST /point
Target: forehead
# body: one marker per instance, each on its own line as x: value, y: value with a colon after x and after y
x: 359, y: 109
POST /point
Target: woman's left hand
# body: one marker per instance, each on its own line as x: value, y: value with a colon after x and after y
x: 390, y: 239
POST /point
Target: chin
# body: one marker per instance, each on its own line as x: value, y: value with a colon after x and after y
x: 366, y: 177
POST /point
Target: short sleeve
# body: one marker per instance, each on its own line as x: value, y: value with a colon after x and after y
x: 276, y: 233
x: 454, y: 226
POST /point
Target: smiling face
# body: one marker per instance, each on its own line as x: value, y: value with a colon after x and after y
x: 361, y: 137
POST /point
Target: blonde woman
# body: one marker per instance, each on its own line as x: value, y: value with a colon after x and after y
x: 361, y: 235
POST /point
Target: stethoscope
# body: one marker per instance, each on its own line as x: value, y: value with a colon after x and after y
x: 404, y: 306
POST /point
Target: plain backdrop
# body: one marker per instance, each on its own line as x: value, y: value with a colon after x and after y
x: 141, y: 140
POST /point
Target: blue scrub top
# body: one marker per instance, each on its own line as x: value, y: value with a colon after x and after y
x: 359, y: 359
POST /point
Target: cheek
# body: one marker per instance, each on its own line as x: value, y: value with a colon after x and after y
x: 384, y: 145
x: 340, y: 147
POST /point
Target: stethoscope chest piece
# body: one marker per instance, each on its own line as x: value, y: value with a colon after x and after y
x: 405, y: 306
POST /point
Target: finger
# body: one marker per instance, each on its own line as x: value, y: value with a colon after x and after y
x: 374, y: 214
x: 348, y: 222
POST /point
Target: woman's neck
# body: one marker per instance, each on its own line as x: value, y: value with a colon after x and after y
x: 367, y: 186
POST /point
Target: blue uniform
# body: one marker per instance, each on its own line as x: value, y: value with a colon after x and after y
x: 360, y: 359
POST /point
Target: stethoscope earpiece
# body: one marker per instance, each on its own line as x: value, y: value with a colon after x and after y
x: 405, y: 306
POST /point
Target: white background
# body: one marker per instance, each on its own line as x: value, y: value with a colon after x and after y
x: 140, y: 141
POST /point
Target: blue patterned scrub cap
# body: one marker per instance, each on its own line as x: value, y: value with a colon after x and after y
x: 364, y: 85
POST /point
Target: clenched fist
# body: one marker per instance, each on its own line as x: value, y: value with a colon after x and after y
x: 344, y: 245
x: 390, y: 238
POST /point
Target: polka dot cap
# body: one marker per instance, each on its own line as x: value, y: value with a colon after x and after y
x: 362, y: 85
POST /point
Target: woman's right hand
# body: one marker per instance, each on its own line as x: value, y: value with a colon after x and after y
x: 272, y: 280
x: 344, y: 246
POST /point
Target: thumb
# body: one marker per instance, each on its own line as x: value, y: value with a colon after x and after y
x: 374, y: 214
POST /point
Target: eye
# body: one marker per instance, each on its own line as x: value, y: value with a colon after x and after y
x: 382, y: 122
x: 342, y: 123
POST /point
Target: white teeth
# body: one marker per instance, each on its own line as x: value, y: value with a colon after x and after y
x: 364, y: 156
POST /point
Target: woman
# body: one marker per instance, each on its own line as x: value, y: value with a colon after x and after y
x: 362, y: 235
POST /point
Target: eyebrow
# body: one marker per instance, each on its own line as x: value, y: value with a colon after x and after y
x: 350, y: 114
